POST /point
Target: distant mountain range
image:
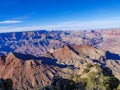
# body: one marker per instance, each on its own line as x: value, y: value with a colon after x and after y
x: 39, y: 42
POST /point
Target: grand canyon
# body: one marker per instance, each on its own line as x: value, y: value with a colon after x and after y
x: 32, y: 58
x: 59, y: 44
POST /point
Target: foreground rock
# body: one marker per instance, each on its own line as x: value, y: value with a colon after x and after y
x: 29, y: 72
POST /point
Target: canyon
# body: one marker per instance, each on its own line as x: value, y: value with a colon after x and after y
x: 31, y: 59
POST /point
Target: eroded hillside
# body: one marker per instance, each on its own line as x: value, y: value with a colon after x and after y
x: 30, y: 72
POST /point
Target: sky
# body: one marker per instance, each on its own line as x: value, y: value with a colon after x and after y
x: 25, y: 15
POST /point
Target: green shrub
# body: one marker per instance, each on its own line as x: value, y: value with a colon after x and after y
x: 93, y: 81
x: 86, y: 70
x: 89, y: 65
x: 118, y: 88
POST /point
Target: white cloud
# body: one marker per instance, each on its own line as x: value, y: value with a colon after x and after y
x: 103, y: 24
x: 10, y: 22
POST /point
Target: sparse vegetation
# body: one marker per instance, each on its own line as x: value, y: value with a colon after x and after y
x: 89, y: 65
x: 86, y: 70
x: 98, y: 81
x: 118, y: 88
x: 95, y: 80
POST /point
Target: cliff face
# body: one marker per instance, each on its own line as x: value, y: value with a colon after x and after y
x: 27, y: 74
x: 111, y: 41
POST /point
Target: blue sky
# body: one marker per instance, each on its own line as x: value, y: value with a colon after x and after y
x: 21, y: 15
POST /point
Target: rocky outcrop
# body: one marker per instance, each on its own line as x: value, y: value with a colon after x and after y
x: 78, y: 55
x: 29, y: 73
